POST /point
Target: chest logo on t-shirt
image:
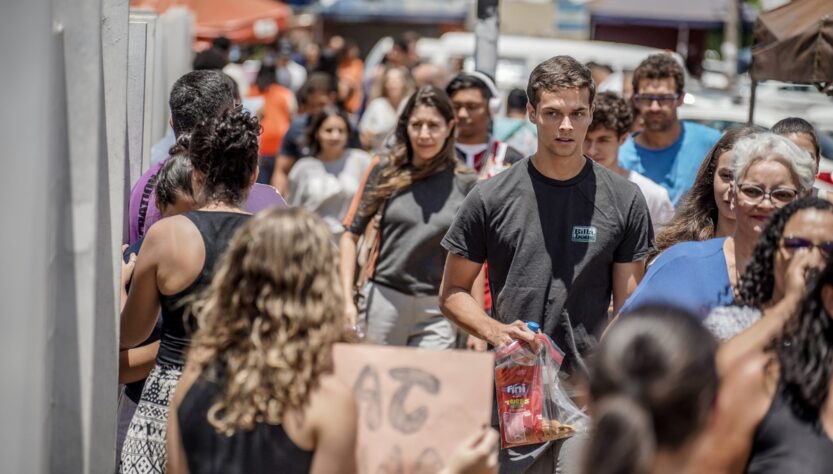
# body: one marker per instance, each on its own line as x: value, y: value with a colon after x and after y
x: 584, y: 234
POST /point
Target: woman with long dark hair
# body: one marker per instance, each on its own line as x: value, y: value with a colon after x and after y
x: 653, y: 383
x: 416, y: 189
x: 705, y: 212
x: 797, y: 238
x: 774, y: 409
x: 176, y: 262
x: 326, y: 181
x: 258, y: 394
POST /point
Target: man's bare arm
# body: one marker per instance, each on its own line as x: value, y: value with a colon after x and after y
x: 459, y: 306
x: 626, y: 277
x: 280, y: 175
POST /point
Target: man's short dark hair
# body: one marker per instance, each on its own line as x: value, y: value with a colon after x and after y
x: 594, y: 65
x: 221, y: 43
x: 797, y: 125
x: 209, y: 59
x: 466, y: 81
x: 197, y: 96
x: 559, y: 73
x: 613, y: 113
x: 317, y: 82
x: 659, y: 66
x: 516, y: 100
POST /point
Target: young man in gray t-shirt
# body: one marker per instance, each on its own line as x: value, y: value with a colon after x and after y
x: 561, y: 235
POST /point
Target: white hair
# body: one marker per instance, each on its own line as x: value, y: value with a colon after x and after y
x: 767, y: 146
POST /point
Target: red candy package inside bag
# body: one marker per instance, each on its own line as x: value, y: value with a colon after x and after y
x: 532, y: 406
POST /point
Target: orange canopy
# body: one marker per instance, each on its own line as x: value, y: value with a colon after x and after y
x: 241, y: 21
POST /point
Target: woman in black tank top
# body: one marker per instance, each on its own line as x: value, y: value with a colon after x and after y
x: 256, y: 395
x: 176, y: 262
x: 775, y: 413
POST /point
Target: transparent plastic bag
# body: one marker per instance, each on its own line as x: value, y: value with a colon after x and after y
x: 533, y: 406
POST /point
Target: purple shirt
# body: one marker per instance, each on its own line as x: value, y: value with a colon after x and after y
x: 142, y: 211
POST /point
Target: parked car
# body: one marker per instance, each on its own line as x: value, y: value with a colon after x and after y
x: 722, y: 118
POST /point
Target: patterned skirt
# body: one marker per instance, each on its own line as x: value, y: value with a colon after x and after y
x: 144, y: 449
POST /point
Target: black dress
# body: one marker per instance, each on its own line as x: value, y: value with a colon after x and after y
x: 144, y: 450
x: 790, y: 440
x: 264, y: 449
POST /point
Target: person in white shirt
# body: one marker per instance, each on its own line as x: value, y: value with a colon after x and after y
x: 379, y: 120
x: 612, y: 119
x: 289, y: 73
x: 326, y: 181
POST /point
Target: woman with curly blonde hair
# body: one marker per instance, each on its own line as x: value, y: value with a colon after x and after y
x: 256, y: 394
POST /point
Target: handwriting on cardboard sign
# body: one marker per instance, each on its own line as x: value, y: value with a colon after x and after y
x: 367, y: 391
x: 409, y: 419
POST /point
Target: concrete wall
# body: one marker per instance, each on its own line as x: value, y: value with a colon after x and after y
x: 63, y: 148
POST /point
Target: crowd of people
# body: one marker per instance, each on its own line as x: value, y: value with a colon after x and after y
x: 686, y: 274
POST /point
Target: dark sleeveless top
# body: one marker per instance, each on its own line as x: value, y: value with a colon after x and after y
x: 266, y: 448
x: 787, y: 441
x: 216, y: 229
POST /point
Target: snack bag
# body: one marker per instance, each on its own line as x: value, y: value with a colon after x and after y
x: 532, y: 406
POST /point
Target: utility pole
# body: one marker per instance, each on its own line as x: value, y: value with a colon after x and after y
x: 486, y: 31
x: 731, y: 41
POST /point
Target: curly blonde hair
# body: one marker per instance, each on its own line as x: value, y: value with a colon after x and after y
x: 269, y: 319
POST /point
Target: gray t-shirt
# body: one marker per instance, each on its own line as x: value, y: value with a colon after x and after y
x: 551, y: 246
x: 327, y: 188
x: 414, y: 221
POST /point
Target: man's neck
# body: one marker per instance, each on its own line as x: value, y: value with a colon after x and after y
x: 660, y: 139
x: 619, y: 170
x: 559, y: 168
x: 474, y: 139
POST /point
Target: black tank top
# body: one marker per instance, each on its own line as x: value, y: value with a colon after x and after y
x: 266, y: 448
x: 216, y: 229
x: 790, y: 442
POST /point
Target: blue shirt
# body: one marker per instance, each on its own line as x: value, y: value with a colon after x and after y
x: 673, y: 167
x: 689, y: 275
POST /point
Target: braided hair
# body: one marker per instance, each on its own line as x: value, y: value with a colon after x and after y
x: 224, y: 150
x: 805, y: 351
x: 758, y: 280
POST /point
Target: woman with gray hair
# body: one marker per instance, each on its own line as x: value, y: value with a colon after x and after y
x: 769, y: 172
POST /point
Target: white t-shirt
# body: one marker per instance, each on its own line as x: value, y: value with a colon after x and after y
x: 659, y: 204
x: 327, y: 188
x: 471, y: 151
x: 379, y: 120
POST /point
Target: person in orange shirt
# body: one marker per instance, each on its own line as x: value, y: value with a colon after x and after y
x: 350, y: 74
x: 279, y: 106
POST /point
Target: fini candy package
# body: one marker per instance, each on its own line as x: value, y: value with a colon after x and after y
x: 532, y: 406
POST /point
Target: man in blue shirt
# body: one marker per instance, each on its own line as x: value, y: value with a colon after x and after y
x: 666, y: 151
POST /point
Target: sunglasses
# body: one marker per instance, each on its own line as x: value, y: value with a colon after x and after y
x: 793, y: 243
x: 648, y: 99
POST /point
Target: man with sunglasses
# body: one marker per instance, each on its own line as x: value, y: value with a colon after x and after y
x: 667, y: 151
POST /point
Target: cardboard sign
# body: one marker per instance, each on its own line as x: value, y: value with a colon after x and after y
x: 415, y: 406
